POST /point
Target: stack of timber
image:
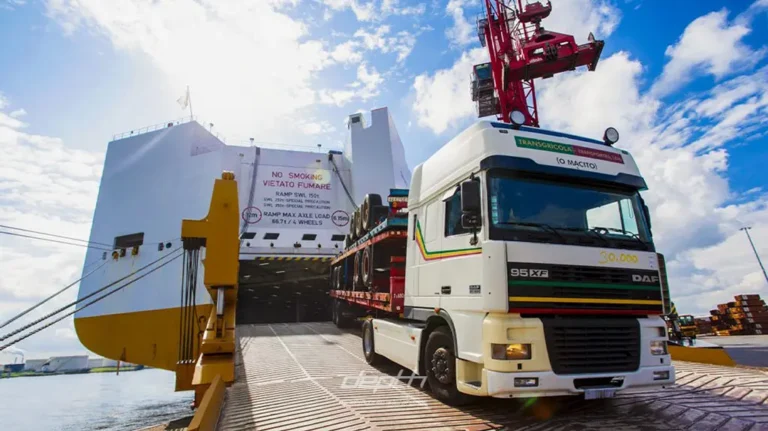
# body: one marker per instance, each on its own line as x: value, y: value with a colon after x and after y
x: 747, y: 315
x: 703, y: 325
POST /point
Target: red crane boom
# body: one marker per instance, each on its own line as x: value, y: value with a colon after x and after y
x: 521, y: 50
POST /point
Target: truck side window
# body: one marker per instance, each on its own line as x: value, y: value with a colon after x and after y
x: 453, y: 215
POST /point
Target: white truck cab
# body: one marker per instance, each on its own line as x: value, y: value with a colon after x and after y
x: 530, y: 271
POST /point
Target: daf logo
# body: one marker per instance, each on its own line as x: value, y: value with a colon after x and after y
x: 644, y: 278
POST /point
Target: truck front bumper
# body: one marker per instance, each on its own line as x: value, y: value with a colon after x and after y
x: 502, y: 385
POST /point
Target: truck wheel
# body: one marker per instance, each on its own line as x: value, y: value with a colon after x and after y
x: 440, y: 363
x: 369, y: 349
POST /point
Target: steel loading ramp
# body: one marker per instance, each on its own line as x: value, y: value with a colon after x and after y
x: 282, y: 289
x: 292, y: 377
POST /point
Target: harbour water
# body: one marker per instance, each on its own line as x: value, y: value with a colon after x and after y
x: 87, y: 402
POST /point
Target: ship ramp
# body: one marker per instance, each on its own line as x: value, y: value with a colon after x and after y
x: 312, y: 376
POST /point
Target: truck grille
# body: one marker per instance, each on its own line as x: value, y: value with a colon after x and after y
x: 538, y: 288
x: 580, y: 345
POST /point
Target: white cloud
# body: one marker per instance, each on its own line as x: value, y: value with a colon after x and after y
x: 48, y: 187
x: 462, y: 33
x: 11, y: 4
x: 367, y: 86
x: 709, y: 45
x: 379, y: 40
x: 580, y: 17
x: 369, y: 11
x: 316, y: 127
x: 242, y: 60
x: 442, y: 98
x: 392, y: 7
x: 18, y: 113
x: 364, y: 11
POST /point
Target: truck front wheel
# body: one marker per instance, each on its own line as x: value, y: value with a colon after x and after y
x: 440, y: 363
x: 369, y: 348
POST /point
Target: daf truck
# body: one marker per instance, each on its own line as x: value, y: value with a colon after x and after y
x: 519, y: 263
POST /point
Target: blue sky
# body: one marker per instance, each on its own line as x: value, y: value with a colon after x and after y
x: 686, y: 84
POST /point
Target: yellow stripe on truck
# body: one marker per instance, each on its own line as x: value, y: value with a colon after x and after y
x: 584, y: 300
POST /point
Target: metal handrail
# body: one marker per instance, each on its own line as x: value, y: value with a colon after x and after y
x: 238, y: 142
x: 151, y: 128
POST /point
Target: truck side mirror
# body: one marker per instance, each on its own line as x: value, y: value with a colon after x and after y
x: 647, y: 214
x: 470, y: 205
x: 470, y: 197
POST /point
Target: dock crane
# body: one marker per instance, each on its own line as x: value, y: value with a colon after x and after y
x: 521, y: 50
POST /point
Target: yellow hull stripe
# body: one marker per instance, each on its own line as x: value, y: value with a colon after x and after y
x: 435, y: 255
x: 148, y: 338
x: 584, y: 300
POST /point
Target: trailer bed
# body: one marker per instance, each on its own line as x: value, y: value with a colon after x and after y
x: 302, y: 376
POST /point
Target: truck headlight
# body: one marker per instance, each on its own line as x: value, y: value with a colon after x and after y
x: 510, y: 351
x: 659, y: 347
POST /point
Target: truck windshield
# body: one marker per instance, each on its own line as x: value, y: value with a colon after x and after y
x: 542, y: 210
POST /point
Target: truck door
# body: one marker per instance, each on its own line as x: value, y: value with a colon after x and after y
x: 426, y: 249
x: 460, y: 276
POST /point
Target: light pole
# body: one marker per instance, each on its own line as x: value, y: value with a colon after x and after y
x: 746, y: 230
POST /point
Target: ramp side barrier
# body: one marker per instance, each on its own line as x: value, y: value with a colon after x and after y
x: 207, y: 414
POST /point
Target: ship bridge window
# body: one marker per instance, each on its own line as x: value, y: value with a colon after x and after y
x: 337, y: 238
x: 271, y: 235
x: 309, y: 237
x: 129, y: 241
x: 248, y: 235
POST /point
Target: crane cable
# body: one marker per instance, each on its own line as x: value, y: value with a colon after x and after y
x: 57, y: 241
x: 13, y: 319
x: 11, y: 343
x: 338, y: 174
x: 27, y: 326
x: 56, y: 236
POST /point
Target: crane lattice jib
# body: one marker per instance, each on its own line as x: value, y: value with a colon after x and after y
x: 521, y: 50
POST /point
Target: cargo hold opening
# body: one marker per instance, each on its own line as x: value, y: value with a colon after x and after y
x: 281, y: 290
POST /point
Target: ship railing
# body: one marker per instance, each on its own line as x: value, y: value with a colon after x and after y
x: 152, y: 128
x: 238, y: 141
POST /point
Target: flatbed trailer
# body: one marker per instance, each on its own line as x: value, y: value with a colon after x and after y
x: 385, y: 291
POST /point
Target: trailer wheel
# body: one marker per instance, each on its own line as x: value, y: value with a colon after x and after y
x: 353, y: 225
x: 440, y: 364
x: 356, y: 276
x: 359, y: 232
x: 339, y: 320
x: 335, y: 312
x: 366, y: 267
x: 333, y: 278
x: 369, y: 349
x: 366, y: 210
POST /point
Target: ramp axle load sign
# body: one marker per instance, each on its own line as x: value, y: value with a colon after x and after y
x: 295, y: 197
